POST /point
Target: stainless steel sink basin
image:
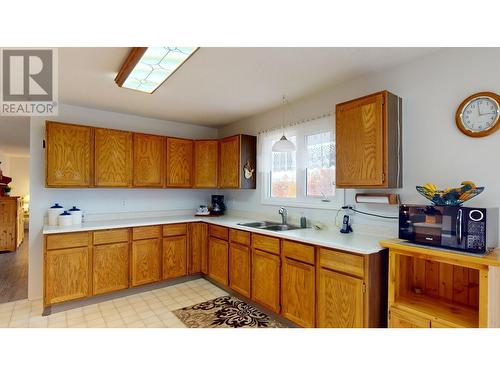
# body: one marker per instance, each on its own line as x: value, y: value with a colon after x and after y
x: 269, y: 225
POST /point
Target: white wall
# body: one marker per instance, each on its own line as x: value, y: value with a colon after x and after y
x: 20, y: 173
x: 100, y: 200
x: 433, y: 148
x: 5, y: 166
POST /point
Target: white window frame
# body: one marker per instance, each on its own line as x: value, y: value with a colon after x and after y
x: 301, y: 131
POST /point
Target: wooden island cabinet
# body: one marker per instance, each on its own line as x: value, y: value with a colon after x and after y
x: 309, y: 285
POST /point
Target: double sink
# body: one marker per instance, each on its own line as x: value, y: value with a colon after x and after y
x: 270, y: 225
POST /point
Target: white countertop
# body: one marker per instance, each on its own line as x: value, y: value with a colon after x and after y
x: 353, y: 242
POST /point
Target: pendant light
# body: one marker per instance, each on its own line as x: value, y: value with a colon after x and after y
x: 283, y: 145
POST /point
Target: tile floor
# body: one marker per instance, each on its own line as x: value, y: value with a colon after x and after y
x: 151, y: 309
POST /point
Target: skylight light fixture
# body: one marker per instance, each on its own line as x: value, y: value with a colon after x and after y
x: 146, y: 68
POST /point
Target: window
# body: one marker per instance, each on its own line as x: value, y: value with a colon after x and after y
x: 320, y: 164
x: 305, y: 177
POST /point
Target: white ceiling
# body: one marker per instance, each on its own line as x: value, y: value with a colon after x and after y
x: 218, y: 86
x: 15, y: 135
x: 215, y: 87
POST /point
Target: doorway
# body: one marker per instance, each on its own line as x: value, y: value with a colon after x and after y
x: 14, y: 208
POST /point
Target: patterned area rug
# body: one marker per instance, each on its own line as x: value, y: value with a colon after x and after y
x: 225, y: 312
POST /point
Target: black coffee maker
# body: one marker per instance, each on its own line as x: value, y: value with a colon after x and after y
x: 218, y: 206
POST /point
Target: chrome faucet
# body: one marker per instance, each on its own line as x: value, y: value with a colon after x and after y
x: 284, y: 213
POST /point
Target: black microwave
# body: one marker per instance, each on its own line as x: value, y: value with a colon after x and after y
x: 473, y: 230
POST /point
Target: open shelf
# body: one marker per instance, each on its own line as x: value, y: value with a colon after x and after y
x: 438, y: 309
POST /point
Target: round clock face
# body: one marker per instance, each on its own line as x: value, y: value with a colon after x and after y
x: 480, y: 114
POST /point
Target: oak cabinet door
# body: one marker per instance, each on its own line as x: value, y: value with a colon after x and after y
x: 266, y: 279
x: 69, y: 155
x: 218, y: 260
x: 359, y: 142
x: 174, y: 257
x: 206, y: 164
x: 146, y: 257
x: 179, y: 162
x: 298, y: 292
x: 149, y: 159
x: 113, y: 158
x: 340, y: 300
x: 229, y: 169
x: 67, y: 275
x: 239, y: 264
x: 110, y: 267
x: 199, y: 248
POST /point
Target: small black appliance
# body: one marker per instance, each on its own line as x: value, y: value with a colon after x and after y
x: 468, y: 229
x: 218, y: 206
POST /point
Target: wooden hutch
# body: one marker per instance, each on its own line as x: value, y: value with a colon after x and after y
x: 434, y: 288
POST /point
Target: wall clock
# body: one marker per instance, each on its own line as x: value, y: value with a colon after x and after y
x: 479, y: 114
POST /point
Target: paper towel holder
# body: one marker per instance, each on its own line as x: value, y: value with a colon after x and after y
x: 378, y: 198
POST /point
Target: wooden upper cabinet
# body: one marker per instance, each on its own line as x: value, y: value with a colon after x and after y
x: 238, y: 153
x: 149, y: 160
x: 69, y: 155
x: 206, y: 164
x: 113, y: 158
x: 179, y: 162
x: 368, y: 142
x: 229, y: 173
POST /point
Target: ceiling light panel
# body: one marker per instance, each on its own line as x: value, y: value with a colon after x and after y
x: 155, y: 66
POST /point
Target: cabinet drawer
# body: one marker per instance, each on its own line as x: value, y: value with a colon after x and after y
x: 67, y: 240
x: 239, y: 236
x: 298, y: 251
x: 342, y: 262
x: 219, y: 232
x: 174, y: 230
x: 269, y: 244
x: 110, y: 236
x: 142, y: 233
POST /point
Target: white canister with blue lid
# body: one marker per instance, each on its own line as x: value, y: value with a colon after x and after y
x: 65, y: 219
x: 76, y: 215
x: 54, y: 213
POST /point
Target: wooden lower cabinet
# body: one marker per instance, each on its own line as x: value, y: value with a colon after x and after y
x: 67, y: 275
x: 239, y: 269
x: 199, y: 248
x: 110, y: 268
x: 403, y: 319
x: 145, y: 261
x: 266, y: 279
x: 340, y: 300
x: 174, y: 257
x: 218, y: 260
x: 298, y: 289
